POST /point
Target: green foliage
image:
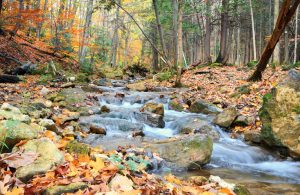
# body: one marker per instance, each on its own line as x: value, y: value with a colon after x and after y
x: 291, y: 66
x: 164, y: 76
x: 267, y: 97
x: 45, y: 78
x: 252, y: 64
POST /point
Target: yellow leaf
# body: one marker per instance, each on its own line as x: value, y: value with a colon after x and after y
x: 97, y: 165
x: 207, y: 193
x: 172, y: 179
x: 16, y: 191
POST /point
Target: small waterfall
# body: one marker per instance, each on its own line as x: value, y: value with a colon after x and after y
x: 228, y: 153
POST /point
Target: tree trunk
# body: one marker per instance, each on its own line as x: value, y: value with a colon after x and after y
x: 159, y: 28
x: 175, y: 33
x: 224, y: 27
x: 207, y: 33
x: 253, y: 32
x: 286, y: 13
x: 154, y: 52
x: 1, y: 5
x: 296, y: 36
x: 179, y: 43
x: 286, y: 47
x: 86, y: 30
x: 115, y: 41
x: 276, y: 54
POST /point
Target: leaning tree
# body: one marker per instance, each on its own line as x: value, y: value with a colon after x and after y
x: 287, y: 11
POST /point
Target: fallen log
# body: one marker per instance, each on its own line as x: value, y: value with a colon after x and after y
x: 9, y: 79
x: 10, y: 58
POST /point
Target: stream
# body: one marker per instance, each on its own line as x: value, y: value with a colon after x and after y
x: 261, y: 171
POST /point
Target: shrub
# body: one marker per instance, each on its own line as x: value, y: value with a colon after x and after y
x: 164, y: 76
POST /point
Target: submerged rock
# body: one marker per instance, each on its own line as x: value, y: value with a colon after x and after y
x: 48, y: 157
x: 280, y: 116
x: 109, y: 124
x: 201, y: 106
x: 190, y: 152
x: 12, y: 132
x: 226, y: 118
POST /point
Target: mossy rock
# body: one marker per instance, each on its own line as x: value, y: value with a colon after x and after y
x: 61, y: 189
x: 176, y: 105
x: 48, y: 157
x: 241, y: 190
x: 12, y: 132
x: 191, y: 152
x: 77, y: 148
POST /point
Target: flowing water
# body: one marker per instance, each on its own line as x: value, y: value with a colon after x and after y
x: 232, y: 159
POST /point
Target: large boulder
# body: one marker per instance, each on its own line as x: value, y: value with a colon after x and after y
x: 201, y: 106
x: 190, y: 152
x: 188, y: 125
x: 48, y: 157
x: 12, y: 132
x: 226, y: 118
x: 10, y: 112
x: 280, y: 116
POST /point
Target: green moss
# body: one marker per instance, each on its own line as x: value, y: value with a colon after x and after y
x: 60, y: 189
x: 176, y: 106
x: 77, y: 148
x: 241, y: 190
x: 296, y: 109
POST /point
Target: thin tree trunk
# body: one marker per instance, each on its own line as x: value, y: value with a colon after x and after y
x: 86, y: 30
x: 143, y: 32
x: 175, y: 33
x: 159, y: 28
x: 224, y: 27
x: 286, y: 13
x: 207, y: 34
x: 253, y: 31
x: 286, y: 47
x: 115, y: 41
x: 296, y: 36
x: 276, y: 54
x: 179, y: 43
